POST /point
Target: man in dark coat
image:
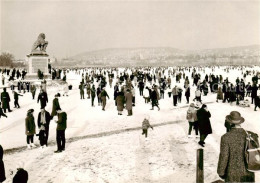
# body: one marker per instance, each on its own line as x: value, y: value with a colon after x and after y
x: 16, y: 99
x: 81, y: 89
x: 44, y: 119
x: 120, y: 100
x: 128, y: 101
x: 55, y: 105
x: 231, y: 164
x: 154, y: 99
x: 93, y: 95
x: 2, y: 166
x: 43, y: 98
x: 33, y: 90
x: 5, y: 98
x: 254, y: 89
x: 60, y: 130
x: 141, y: 87
x: 203, y: 116
x: 104, y: 96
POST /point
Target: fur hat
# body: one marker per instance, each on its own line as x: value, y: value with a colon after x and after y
x: 235, y: 118
x: 30, y: 111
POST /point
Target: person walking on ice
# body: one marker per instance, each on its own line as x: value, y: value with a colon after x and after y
x: 146, y: 125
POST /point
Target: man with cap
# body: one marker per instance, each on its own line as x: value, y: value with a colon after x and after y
x: 231, y: 164
x: 5, y: 98
x: 60, y: 130
x: 44, y: 119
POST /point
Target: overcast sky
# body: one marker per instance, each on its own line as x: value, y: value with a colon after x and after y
x: 72, y: 27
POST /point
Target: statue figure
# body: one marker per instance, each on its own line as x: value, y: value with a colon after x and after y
x: 41, y: 43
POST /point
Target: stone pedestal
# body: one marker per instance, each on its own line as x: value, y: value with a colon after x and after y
x: 37, y: 62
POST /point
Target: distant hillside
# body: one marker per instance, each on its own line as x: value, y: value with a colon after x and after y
x: 166, y: 56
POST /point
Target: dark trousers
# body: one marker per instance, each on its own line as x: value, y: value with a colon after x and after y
x: 179, y: 98
x: 92, y: 101
x: 141, y: 92
x: 82, y: 96
x: 188, y: 99
x: 145, y: 132
x: 203, y: 137
x: 133, y: 101
x: 33, y: 94
x: 29, y: 139
x: 175, y: 98
x: 253, y: 100
x: 248, y: 94
x: 155, y: 103
x: 104, y: 102
x: 99, y: 100
x: 16, y: 104
x: 195, y: 126
x: 60, y: 138
x: 8, y: 107
x: 198, y: 98
x: 42, y: 138
x: 225, y: 97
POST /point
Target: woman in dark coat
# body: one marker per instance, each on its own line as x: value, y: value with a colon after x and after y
x: 30, y: 128
x: 120, y: 99
x: 2, y: 166
x: 55, y: 105
x: 128, y: 100
x: 187, y: 93
x: 203, y: 116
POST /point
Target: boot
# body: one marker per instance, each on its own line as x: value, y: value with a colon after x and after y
x: 28, y: 146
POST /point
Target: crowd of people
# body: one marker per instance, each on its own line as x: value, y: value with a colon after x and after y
x: 152, y: 84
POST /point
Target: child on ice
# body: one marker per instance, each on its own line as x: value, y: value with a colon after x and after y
x: 146, y: 125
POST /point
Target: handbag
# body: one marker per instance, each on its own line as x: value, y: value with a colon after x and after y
x: 252, y: 154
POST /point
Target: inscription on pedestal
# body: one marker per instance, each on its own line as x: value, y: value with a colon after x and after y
x: 39, y: 63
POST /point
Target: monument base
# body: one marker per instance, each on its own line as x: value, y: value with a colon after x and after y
x: 37, y: 63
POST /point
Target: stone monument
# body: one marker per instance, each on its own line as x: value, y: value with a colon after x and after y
x: 38, y: 58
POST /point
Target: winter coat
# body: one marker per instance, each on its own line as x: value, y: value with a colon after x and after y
x: 5, y: 98
x: 47, y: 119
x: 55, y: 106
x: 62, y: 121
x: 187, y: 92
x: 120, y: 99
x: 220, y: 95
x: 29, y: 125
x: 193, y: 115
x: 204, y: 122
x: 146, y: 124
x: 2, y: 166
x: 254, y: 89
x: 43, y: 98
x: 175, y: 91
x: 231, y: 164
x: 128, y: 101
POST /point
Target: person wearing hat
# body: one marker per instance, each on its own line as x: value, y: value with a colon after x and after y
x: 60, y: 130
x: 5, y: 98
x: 192, y: 119
x: 231, y: 163
x: 30, y: 128
x: 43, y: 122
x: 204, y: 125
x: 55, y: 105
